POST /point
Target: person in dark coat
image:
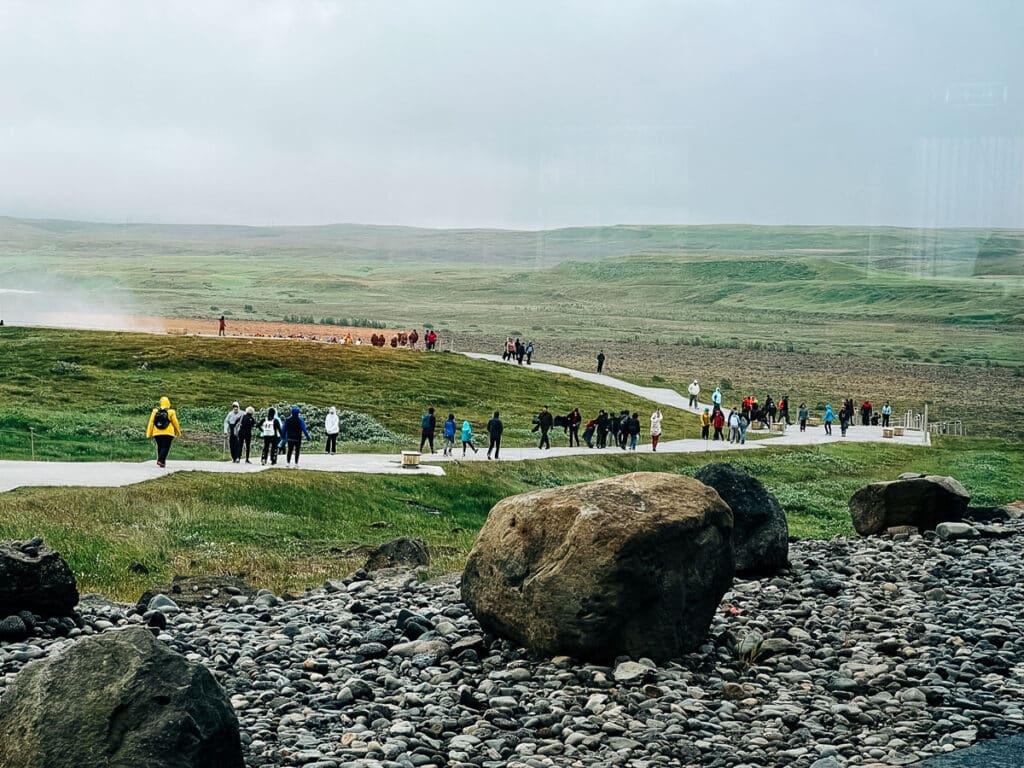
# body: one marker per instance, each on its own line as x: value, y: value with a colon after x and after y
x: 602, y: 428
x: 294, y: 429
x: 600, y: 361
x: 574, y: 427
x: 494, y: 430
x: 245, y: 427
x: 428, y: 424
x: 544, y: 422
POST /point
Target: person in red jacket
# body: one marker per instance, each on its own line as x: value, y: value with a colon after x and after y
x: 718, y: 422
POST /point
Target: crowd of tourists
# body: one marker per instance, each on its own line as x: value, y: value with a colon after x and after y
x: 516, y: 351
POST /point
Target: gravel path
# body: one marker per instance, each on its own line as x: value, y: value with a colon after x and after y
x: 872, y: 652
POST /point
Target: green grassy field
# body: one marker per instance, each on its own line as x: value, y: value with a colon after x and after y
x: 292, y: 530
x: 88, y: 395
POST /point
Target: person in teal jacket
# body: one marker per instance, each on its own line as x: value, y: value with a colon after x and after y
x: 829, y: 418
x: 467, y: 438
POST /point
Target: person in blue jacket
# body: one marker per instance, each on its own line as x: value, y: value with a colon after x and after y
x: 294, y: 429
x: 829, y: 418
x: 449, y: 435
x: 467, y: 438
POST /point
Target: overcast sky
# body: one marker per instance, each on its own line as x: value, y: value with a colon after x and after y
x: 514, y: 114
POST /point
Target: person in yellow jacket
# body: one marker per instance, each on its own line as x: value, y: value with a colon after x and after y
x: 705, y: 424
x: 163, y: 427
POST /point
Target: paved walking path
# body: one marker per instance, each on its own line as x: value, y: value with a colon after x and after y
x: 16, y: 474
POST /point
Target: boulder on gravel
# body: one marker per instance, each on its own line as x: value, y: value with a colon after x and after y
x: 923, y: 502
x: 35, y: 578
x: 633, y: 565
x: 118, y: 699
x: 760, y: 534
x: 399, y: 553
x: 199, y: 591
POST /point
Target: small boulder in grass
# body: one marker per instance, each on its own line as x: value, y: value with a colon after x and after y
x: 34, y: 578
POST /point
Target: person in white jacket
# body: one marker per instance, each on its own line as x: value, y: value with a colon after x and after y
x: 331, y: 429
x: 734, y: 426
x: 655, y: 429
x: 694, y: 390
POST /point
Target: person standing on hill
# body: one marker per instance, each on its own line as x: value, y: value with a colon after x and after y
x: 544, y: 422
x: 694, y: 390
x: 467, y: 438
x: 886, y: 413
x: 828, y: 419
x: 271, y: 433
x: 705, y: 424
x: 802, y: 416
x: 428, y: 424
x: 574, y: 427
x: 332, y: 428
x: 494, y: 430
x: 232, y: 424
x: 245, y: 427
x: 656, y: 419
x: 449, y: 435
x: 222, y: 330
x: 163, y: 427
x: 294, y: 429
x: 600, y: 361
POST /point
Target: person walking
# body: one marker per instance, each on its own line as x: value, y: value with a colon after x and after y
x: 271, y: 433
x: 656, y: 418
x: 784, y: 409
x: 245, y: 427
x: 163, y: 427
x: 770, y: 409
x: 529, y: 352
x: 744, y: 424
x: 544, y: 422
x: 828, y: 419
x: 886, y: 414
x: 802, y: 415
x: 845, y: 419
x: 494, y: 430
x: 294, y: 429
x: 222, y: 329
x: 734, y: 426
x: 467, y: 438
x: 634, y: 430
x: 574, y: 427
x: 600, y: 361
x: 705, y: 424
x: 588, y: 433
x: 694, y: 390
x: 716, y: 397
x: 718, y: 422
x: 332, y: 428
x: 602, y: 428
x: 428, y: 423
x: 231, y: 426
x: 449, y: 436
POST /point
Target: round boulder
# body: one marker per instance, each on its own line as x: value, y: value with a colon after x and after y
x: 35, y: 578
x: 760, y: 534
x: 923, y: 502
x: 399, y: 553
x: 118, y: 699
x: 633, y: 565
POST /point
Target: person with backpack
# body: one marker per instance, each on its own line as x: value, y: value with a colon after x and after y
x: 656, y: 418
x: 294, y: 429
x: 574, y: 427
x: 332, y: 428
x: 232, y: 424
x: 270, y: 431
x: 544, y: 421
x: 428, y: 424
x: 467, y: 438
x: 163, y: 427
x: 245, y: 427
x: 494, y: 431
x: 449, y: 436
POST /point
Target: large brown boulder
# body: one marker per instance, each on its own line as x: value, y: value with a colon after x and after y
x: 35, y: 578
x: 760, y: 533
x: 117, y: 699
x: 634, y: 565
x: 920, y: 501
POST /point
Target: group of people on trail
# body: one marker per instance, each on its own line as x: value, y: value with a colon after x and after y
x: 403, y: 339
x: 428, y: 427
x: 515, y: 351
x: 276, y: 433
x: 621, y: 429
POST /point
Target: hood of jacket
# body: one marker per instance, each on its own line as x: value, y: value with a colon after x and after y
x: 165, y: 402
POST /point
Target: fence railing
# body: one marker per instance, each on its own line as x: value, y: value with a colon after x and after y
x: 948, y: 428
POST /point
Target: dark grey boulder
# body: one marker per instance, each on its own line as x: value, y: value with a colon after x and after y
x: 923, y: 502
x: 35, y: 578
x: 13, y: 629
x: 760, y: 533
x: 117, y: 700
x: 399, y: 553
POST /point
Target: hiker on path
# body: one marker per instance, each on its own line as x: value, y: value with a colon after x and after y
x: 574, y: 427
x: 510, y: 349
x: 163, y: 427
x: 716, y: 397
x: 520, y: 351
x: 694, y: 390
x: 623, y: 433
x: 232, y: 424
x: 428, y: 423
x: 245, y: 427
x: 633, y: 427
x: 413, y: 338
x: 656, y: 418
x: 734, y: 426
x: 602, y: 428
x: 744, y: 424
x: 494, y: 430
x: 600, y: 361
x: 784, y: 409
x: 529, y: 352
x: 845, y: 419
x: 770, y: 409
x: 828, y: 419
x: 294, y: 429
x: 544, y: 422
x: 449, y: 436
x: 272, y: 435
x: 588, y: 432
x: 865, y: 412
x: 332, y: 427
x: 467, y: 438
x: 718, y: 422
x: 705, y: 424
x: 802, y: 416
x: 222, y: 330
x: 886, y: 413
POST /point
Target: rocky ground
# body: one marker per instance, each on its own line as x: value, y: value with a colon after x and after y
x: 875, y: 651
